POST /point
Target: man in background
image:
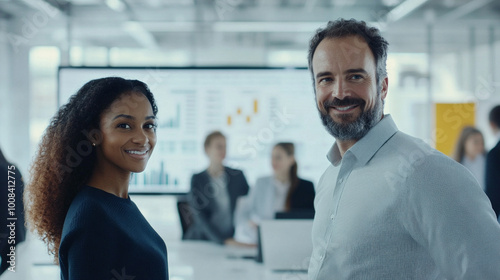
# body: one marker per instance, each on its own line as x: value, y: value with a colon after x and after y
x: 388, y: 206
x: 493, y: 163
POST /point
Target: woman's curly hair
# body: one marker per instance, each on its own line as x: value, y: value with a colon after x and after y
x: 66, y: 158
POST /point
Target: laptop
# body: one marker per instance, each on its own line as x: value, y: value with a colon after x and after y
x: 285, y: 244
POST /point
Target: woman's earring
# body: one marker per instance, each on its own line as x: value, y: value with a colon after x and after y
x: 93, y: 144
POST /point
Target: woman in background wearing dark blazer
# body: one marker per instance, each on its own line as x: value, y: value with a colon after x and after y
x: 283, y: 191
x: 213, y: 195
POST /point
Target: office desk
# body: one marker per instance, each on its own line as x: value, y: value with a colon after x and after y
x: 187, y: 260
x: 198, y: 260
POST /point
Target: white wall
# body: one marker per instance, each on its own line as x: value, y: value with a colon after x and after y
x: 14, y: 96
x: 4, y: 78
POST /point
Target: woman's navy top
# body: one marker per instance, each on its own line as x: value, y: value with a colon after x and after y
x: 106, y: 237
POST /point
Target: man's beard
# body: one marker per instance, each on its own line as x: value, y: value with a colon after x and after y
x: 353, y: 130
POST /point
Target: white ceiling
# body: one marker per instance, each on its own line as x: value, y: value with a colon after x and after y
x: 269, y: 24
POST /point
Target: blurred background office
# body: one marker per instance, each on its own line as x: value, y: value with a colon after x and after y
x: 443, y: 68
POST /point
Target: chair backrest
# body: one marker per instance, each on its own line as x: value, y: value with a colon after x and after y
x: 185, y: 216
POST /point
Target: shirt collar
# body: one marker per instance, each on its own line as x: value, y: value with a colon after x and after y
x: 367, y: 146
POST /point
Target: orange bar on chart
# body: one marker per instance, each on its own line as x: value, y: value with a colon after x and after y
x: 255, y: 106
x: 228, y: 120
x: 248, y: 119
x: 238, y: 111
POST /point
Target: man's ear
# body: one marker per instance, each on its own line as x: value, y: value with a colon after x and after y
x: 385, y: 87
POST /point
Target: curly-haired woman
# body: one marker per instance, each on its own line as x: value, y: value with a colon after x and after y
x: 78, y: 200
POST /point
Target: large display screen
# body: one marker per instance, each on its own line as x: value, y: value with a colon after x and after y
x: 254, y: 107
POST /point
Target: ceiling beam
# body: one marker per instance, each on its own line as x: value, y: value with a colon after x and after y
x: 47, y: 7
x: 464, y: 10
x: 404, y: 9
x: 137, y: 31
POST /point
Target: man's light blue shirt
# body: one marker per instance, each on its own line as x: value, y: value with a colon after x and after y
x: 394, y: 208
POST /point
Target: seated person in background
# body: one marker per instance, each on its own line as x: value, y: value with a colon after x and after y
x: 284, y: 191
x: 213, y: 195
x: 470, y: 152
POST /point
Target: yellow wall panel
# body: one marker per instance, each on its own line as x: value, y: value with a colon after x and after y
x: 450, y: 118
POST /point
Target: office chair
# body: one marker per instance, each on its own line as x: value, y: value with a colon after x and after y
x: 185, y: 216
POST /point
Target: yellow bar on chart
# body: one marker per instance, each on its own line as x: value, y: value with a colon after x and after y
x: 228, y: 120
x: 255, y: 106
x: 238, y: 111
x: 248, y: 119
x: 450, y: 119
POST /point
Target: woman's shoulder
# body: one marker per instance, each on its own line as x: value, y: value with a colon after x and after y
x: 304, y: 181
x: 264, y: 183
x: 265, y: 179
x: 305, y: 184
x: 201, y: 173
x: 233, y: 171
x: 86, y: 210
